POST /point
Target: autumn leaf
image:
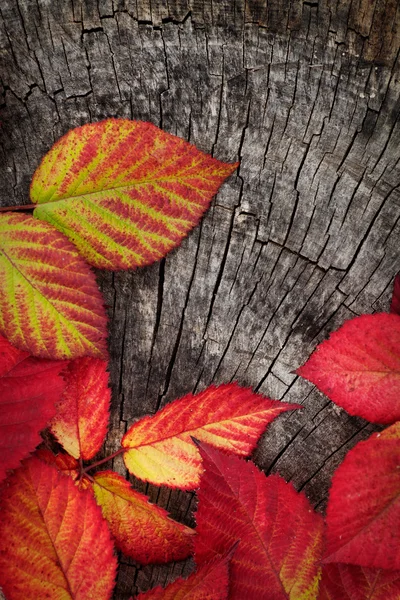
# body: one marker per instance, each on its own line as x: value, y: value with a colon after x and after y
x: 125, y: 192
x: 395, y: 304
x: 209, y: 582
x: 351, y: 582
x: 67, y: 464
x: 358, y: 368
x: 363, y: 512
x: 280, y: 535
x: 141, y: 530
x: 50, y: 305
x: 29, y: 389
x: 54, y: 542
x: 160, y: 448
x: 81, y: 422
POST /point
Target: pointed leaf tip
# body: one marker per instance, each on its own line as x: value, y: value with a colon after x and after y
x: 50, y: 305
x: 209, y: 582
x: 125, y: 192
x: 54, y: 542
x: 159, y: 449
x: 358, y: 368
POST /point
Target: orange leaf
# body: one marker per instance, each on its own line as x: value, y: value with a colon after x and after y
x: 351, y: 582
x: 141, y: 530
x: 50, y: 304
x: 363, y: 513
x: 209, y: 582
x: 280, y: 535
x: 80, y: 424
x: 54, y: 542
x: 29, y: 388
x: 160, y: 449
x: 125, y: 192
x: 358, y: 368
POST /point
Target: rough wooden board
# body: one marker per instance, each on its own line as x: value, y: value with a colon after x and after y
x: 303, y: 237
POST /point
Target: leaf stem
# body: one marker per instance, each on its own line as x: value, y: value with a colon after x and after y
x: 20, y: 207
x: 104, y: 460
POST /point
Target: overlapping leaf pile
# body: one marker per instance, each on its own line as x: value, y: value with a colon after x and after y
x: 125, y: 193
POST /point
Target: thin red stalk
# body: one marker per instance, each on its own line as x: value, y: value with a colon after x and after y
x: 104, y: 460
x: 20, y: 207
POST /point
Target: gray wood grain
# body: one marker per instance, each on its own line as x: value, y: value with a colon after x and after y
x: 304, y: 236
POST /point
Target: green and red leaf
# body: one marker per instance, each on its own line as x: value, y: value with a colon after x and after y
x: 358, y: 368
x: 54, y: 543
x: 125, y: 192
x: 209, y: 582
x: 50, y: 305
x: 351, y: 582
x: 280, y: 535
x: 363, y: 514
x: 29, y: 389
x: 80, y: 424
x: 141, y: 530
x: 159, y: 449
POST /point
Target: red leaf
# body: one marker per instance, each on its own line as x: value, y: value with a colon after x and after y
x: 280, y: 535
x: 395, y: 304
x: 80, y: 424
x: 363, y: 513
x: 351, y: 582
x: 160, y: 448
x: 125, y: 192
x: 29, y: 388
x: 54, y: 542
x: 141, y: 530
x: 209, y: 582
x: 358, y: 368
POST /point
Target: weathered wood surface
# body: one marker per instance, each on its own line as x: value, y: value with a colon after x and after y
x: 305, y: 236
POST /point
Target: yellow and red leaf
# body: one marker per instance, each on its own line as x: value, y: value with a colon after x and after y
x: 50, y: 305
x: 351, y: 582
x: 125, y: 192
x: 80, y: 424
x: 141, y: 530
x: 54, y: 543
x: 159, y: 449
x: 363, y: 513
x: 358, y: 368
x: 209, y: 582
x: 280, y: 535
x: 29, y: 389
